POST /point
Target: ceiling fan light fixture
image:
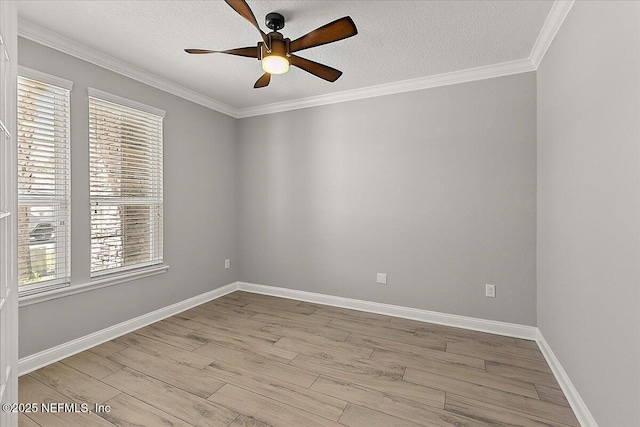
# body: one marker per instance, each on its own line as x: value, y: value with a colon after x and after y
x: 275, y: 64
x: 276, y: 53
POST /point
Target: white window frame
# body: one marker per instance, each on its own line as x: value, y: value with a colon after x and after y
x: 52, y: 284
x: 153, y: 267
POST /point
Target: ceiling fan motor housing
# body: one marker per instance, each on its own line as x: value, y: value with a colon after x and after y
x: 274, y: 21
x: 278, y: 46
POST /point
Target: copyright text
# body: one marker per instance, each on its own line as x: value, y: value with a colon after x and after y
x: 55, y: 407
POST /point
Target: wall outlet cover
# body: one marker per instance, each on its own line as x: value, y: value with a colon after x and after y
x: 490, y: 291
x: 382, y: 278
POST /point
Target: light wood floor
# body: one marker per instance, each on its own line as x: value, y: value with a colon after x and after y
x: 254, y: 360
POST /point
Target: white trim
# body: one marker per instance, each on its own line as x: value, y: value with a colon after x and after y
x: 36, y: 361
x: 30, y: 363
x: 471, y: 323
x: 446, y: 79
x: 54, y: 40
x: 45, y: 286
x: 575, y: 400
x: 559, y: 11
x: 49, y: 79
x: 62, y: 351
x: 91, y: 286
x: 554, y: 20
x: 115, y: 99
x: 46, y: 357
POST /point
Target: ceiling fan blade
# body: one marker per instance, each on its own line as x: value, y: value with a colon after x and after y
x: 199, y: 51
x: 250, y: 52
x: 337, y: 30
x: 244, y: 10
x: 315, y: 68
x: 263, y: 81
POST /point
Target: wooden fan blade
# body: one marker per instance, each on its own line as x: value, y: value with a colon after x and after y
x: 244, y: 10
x: 199, y: 51
x: 250, y: 52
x: 337, y: 30
x: 263, y: 81
x: 315, y: 68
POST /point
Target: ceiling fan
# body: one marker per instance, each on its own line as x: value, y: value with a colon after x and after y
x: 276, y: 52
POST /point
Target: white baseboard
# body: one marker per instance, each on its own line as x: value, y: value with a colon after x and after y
x: 62, y: 351
x: 489, y: 326
x: 46, y: 357
x: 571, y: 393
x: 52, y: 355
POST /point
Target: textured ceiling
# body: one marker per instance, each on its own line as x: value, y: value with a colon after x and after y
x: 397, y: 40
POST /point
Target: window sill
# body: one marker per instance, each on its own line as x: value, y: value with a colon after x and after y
x: 91, y: 286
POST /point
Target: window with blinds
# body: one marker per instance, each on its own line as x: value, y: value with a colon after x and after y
x: 125, y: 157
x: 43, y: 182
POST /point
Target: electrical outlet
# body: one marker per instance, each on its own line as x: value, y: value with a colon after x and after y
x: 382, y: 278
x: 227, y: 263
x: 490, y: 291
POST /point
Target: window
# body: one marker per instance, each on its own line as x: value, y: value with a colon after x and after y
x: 125, y: 166
x: 43, y: 181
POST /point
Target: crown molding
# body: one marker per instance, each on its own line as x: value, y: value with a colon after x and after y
x: 445, y: 79
x: 559, y: 11
x: 552, y: 24
x: 54, y: 40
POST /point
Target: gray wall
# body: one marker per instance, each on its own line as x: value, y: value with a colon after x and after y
x: 589, y: 206
x: 199, y: 207
x: 436, y: 188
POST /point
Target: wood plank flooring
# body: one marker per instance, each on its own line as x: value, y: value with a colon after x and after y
x: 254, y: 360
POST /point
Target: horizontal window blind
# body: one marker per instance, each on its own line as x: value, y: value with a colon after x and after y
x: 43, y: 185
x: 125, y: 149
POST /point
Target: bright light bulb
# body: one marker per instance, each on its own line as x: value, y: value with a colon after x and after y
x: 274, y: 64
